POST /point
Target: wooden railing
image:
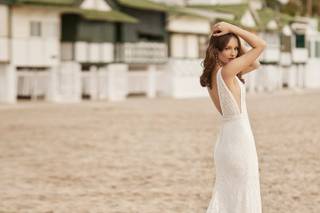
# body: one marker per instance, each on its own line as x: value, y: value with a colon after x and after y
x: 32, y: 83
x: 141, y: 52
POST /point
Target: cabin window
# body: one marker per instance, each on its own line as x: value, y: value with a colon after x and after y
x: 35, y: 28
x: 300, y: 41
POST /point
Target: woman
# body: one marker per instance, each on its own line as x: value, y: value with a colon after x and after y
x: 237, y: 186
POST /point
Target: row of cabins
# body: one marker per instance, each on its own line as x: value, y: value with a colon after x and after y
x: 69, y: 50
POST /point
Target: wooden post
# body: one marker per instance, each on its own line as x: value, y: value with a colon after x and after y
x: 93, y: 83
x: 117, y: 82
x: 8, y: 81
x: 151, y: 88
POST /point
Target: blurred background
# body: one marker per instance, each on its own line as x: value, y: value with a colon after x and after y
x: 134, y: 131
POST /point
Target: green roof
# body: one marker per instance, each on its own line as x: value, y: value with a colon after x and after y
x: 236, y: 9
x: 60, y: 2
x: 111, y: 16
x: 71, y: 6
x: 144, y: 5
x: 267, y: 14
x: 176, y: 10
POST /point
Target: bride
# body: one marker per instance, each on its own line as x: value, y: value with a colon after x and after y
x: 237, y: 185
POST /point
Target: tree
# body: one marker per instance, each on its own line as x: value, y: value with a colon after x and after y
x: 309, y: 8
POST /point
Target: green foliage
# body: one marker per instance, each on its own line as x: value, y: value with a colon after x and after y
x: 293, y: 7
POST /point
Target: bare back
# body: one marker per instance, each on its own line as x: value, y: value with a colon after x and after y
x: 232, y: 85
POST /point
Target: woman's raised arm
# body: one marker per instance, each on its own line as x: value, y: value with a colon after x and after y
x: 242, y: 63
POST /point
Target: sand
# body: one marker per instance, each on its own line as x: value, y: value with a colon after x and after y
x: 152, y: 155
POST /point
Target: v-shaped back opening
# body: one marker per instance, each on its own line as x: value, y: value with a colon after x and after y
x: 238, y: 106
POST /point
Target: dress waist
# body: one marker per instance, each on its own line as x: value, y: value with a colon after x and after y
x: 227, y: 118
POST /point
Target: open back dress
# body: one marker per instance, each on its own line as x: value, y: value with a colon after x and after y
x: 237, y: 186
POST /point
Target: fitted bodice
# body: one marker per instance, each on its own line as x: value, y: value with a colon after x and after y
x: 228, y: 103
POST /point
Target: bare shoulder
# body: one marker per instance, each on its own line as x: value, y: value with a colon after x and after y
x: 227, y: 74
x: 241, y: 64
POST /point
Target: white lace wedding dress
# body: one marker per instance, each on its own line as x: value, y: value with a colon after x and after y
x: 237, y: 185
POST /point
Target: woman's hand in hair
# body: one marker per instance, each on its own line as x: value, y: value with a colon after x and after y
x: 222, y: 28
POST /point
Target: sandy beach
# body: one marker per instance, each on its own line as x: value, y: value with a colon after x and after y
x: 152, y: 155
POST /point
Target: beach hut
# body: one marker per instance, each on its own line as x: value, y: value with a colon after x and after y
x: 242, y: 14
x: 187, y: 46
x: 312, y: 74
x: 143, y: 47
x: 7, y: 75
x: 89, y: 34
x: 45, y: 44
x: 29, y: 47
x: 296, y: 76
x: 274, y: 29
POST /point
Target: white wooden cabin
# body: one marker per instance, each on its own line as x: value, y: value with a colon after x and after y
x: 32, y: 45
x: 269, y: 76
x: 34, y: 63
x: 7, y: 75
x: 187, y: 46
x: 143, y: 46
x: 312, y: 74
x: 299, y: 55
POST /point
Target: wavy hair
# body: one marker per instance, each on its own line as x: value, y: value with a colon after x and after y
x: 216, y: 44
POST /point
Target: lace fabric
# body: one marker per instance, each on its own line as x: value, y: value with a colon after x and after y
x: 237, y: 186
x: 228, y: 102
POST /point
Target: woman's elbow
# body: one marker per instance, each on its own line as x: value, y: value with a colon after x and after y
x: 256, y: 65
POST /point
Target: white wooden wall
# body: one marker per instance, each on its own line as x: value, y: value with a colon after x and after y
x: 65, y: 83
x: 86, y: 52
x: 184, y: 46
x: 182, y: 79
x: 299, y: 55
x: 94, y: 52
x: 247, y: 19
x: 7, y: 84
x: 32, y: 83
x: 144, y: 81
x: 272, y: 53
x: 184, y: 40
x: 4, y: 33
x: 30, y: 50
x: 183, y: 24
x: 312, y: 78
x: 95, y: 5
x: 94, y: 83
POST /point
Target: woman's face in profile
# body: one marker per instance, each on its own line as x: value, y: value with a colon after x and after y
x: 230, y: 51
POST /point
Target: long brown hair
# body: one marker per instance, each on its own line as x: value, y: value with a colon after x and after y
x: 209, y: 63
